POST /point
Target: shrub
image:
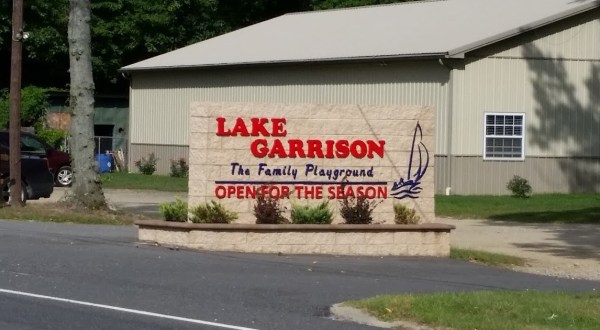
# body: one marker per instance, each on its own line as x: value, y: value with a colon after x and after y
x: 147, y: 166
x: 212, y: 212
x: 357, y: 210
x: 404, y: 215
x: 54, y: 137
x: 268, y: 210
x: 519, y: 187
x: 174, y: 211
x: 320, y: 214
x: 179, y: 168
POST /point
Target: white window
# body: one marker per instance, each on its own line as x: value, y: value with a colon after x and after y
x: 504, y: 136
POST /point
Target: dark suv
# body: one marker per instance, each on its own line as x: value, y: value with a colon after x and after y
x: 36, y: 179
x: 59, y: 162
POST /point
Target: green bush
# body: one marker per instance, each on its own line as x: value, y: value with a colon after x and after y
x: 147, y: 166
x: 268, y: 210
x: 54, y: 137
x: 404, y: 215
x: 212, y: 212
x: 305, y: 214
x: 357, y: 210
x: 174, y: 211
x: 519, y: 187
x: 179, y: 168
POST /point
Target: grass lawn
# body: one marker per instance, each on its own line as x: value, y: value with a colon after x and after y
x: 489, y: 309
x: 486, y: 258
x: 60, y: 213
x: 573, y: 208
x: 123, y: 180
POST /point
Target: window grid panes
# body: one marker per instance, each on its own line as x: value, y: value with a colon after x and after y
x: 504, y: 136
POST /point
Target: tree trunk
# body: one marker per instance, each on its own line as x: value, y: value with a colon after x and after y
x: 86, y: 190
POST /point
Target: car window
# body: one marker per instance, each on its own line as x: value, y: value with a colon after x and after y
x: 31, y: 144
x: 4, y: 139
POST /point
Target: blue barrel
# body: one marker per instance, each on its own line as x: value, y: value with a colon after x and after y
x: 104, y: 162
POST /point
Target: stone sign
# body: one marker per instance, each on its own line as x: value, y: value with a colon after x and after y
x: 307, y: 153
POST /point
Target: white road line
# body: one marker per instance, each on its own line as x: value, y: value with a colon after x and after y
x: 126, y: 310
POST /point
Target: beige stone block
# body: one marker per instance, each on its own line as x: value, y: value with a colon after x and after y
x: 335, y: 112
x: 379, y: 238
x: 198, y: 157
x: 339, y: 249
x: 288, y: 111
x: 349, y: 238
x: 213, y: 142
x: 408, y: 238
x: 147, y: 234
x: 303, y: 249
x: 197, y: 188
x: 269, y: 249
x: 414, y: 250
x: 171, y: 237
x: 198, y: 140
x: 374, y: 112
x: 261, y: 238
x: 304, y: 238
x: 236, y: 143
x: 199, y: 125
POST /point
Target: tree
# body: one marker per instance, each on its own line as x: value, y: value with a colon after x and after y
x: 87, y: 188
x: 331, y: 4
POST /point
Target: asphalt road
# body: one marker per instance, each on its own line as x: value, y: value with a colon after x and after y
x: 59, y: 276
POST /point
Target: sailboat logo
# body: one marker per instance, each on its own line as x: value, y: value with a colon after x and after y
x: 411, y: 186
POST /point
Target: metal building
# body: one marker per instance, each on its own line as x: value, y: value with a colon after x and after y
x: 515, y: 83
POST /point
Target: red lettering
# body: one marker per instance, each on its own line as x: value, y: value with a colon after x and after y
x: 220, y: 192
x: 315, y: 148
x: 296, y: 148
x: 278, y: 124
x: 221, y: 127
x: 358, y: 149
x: 258, y: 127
x: 330, y: 144
x: 277, y: 149
x: 240, y: 128
x: 375, y: 147
x: 342, y: 150
x: 259, y: 148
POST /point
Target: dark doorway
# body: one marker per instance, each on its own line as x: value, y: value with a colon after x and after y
x: 103, y: 136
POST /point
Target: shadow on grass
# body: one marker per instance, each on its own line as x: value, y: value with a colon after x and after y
x: 587, y: 215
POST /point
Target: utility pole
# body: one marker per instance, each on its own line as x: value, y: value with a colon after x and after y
x: 15, y: 104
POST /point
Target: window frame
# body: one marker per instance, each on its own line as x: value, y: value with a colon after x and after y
x: 486, y: 136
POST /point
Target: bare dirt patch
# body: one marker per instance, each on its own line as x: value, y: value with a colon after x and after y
x: 563, y: 250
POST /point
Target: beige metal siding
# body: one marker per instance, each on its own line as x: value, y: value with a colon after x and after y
x: 574, y: 38
x: 474, y: 176
x: 552, y: 75
x: 559, y: 100
x: 164, y: 154
x: 160, y: 101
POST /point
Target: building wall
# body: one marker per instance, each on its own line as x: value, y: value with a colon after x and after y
x: 552, y: 75
x: 160, y: 101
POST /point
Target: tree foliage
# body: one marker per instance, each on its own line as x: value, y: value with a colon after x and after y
x: 127, y: 31
x: 33, y: 106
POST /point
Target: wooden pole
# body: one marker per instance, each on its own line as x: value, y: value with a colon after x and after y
x: 15, y: 104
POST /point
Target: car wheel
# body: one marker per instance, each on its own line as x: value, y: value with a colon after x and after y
x: 64, y: 176
x: 6, y: 192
